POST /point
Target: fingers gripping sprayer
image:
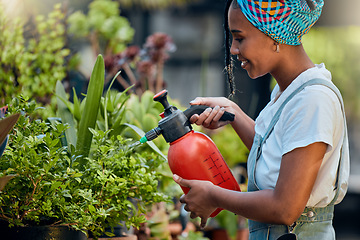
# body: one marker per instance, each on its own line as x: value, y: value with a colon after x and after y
x: 192, y: 155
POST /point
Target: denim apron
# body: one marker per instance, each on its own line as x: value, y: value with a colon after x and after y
x: 314, y: 223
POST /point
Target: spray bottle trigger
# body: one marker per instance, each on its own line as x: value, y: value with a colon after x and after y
x: 198, y: 109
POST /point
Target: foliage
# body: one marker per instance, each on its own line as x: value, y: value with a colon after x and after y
x: 126, y: 115
x: 193, y: 236
x: 122, y: 182
x: 109, y: 35
x: 108, y: 184
x: 228, y: 221
x: 92, y: 102
x: 103, y: 26
x: 339, y: 49
x: 31, y: 66
x: 111, y: 122
x: 51, y: 188
x: 35, y: 154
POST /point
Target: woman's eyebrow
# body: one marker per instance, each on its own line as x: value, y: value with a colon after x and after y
x: 235, y: 31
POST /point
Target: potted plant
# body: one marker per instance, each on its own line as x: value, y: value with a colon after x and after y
x: 38, y: 193
x: 60, y: 183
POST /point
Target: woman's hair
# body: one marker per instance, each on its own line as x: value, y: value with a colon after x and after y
x: 229, y: 65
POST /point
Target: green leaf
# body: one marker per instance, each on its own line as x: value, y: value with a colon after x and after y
x: 76, y: 113
x: 90, y: 112
x: 65, y: 115
x: 92, y: 209
x: 107, y: 101
x: 55, y: 185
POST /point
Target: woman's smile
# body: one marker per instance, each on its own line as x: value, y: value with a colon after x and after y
x: 244, y: 63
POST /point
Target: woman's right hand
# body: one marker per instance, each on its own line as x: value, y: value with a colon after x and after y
x: 210, y: 117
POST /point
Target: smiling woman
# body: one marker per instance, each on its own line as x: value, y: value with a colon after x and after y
x: 298, y: 166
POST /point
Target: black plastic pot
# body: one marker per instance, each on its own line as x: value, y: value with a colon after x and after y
x: 41, y: 233
x: 118, y: 231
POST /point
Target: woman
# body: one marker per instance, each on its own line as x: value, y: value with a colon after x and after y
x: 298, y: 165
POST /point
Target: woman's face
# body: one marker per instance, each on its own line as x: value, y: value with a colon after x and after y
x: 254, y: 49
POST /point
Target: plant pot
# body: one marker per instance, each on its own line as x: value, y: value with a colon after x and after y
x: 41, y: 233
x: 221, y: 234
x: 119, y: 231
x: 128, y: 237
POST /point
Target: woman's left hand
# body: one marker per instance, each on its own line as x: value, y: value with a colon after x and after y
x: 198, y: 200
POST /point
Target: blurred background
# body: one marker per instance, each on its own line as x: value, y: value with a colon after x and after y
x: 194, y: 62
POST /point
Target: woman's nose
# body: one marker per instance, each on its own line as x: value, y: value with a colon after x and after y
x: 234, y: 50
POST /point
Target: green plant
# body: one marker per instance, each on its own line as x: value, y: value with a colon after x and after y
x: 51, y: 189
x: 92, y: 102
x: 60, y: 184
x: 107, y: 31
x: 35, y: 155
x: 122, y: 183
x: 339, y: 49
x: 31, y: 66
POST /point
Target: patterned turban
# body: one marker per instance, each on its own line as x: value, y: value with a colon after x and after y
x: 285, y: 21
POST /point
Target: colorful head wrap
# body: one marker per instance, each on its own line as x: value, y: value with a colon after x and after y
x: 285, y: 21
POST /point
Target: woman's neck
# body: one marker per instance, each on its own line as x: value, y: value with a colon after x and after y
x: 293, y: 61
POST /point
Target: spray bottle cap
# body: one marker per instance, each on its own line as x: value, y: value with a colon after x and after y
x: 174, y: 124
x: 161, y: 97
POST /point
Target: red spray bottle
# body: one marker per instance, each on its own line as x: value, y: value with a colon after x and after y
x: 192, y: 155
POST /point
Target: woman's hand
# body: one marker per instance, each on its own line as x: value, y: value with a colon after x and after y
x: 210, y: 117
x: 198, y: 200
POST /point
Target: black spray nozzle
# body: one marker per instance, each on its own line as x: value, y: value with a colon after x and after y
x: 151, y: 135
x: 161, y: 97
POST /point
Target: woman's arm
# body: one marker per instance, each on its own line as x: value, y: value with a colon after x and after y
x: 282, y: 205
x: 243, y: 124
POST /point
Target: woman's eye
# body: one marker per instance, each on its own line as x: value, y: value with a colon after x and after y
x: 238, y: 39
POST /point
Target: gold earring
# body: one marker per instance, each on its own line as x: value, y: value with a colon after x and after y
x: 277, y: 47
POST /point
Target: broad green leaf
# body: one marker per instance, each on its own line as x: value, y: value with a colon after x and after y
x: 89, y: 115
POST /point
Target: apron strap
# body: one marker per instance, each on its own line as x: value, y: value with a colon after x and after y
x: 345, y: 142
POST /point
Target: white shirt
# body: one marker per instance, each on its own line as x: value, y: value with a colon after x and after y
x: 312, y: 115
